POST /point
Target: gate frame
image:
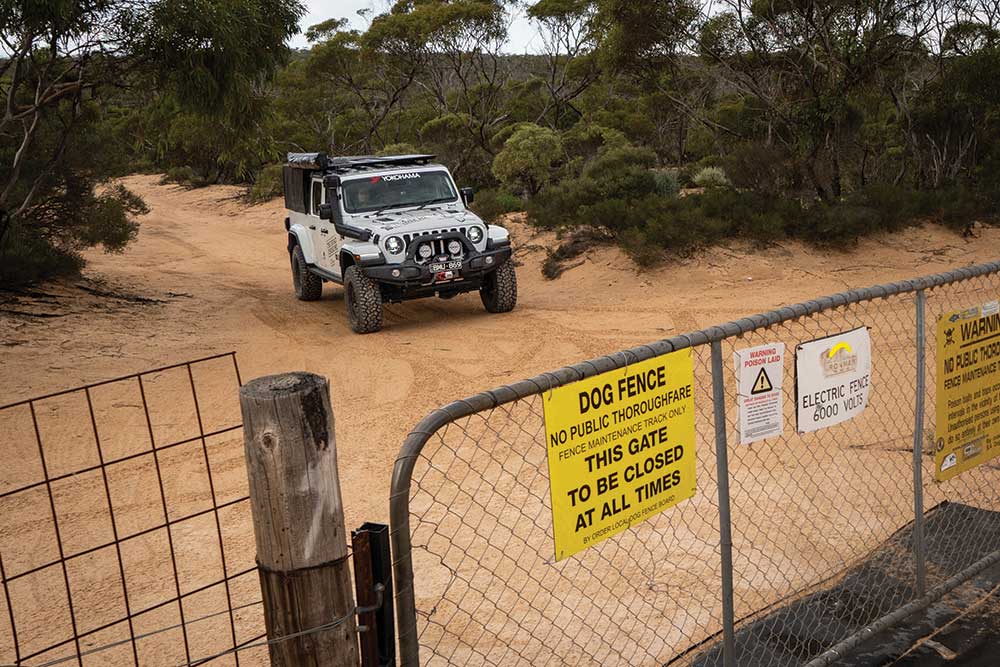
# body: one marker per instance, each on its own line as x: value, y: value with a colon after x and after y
x: 399, y: 498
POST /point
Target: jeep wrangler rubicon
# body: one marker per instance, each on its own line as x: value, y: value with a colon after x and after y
x: 390, y: 229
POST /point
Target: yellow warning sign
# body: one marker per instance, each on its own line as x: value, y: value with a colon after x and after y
x: 967, y: 429
x: 620, y: 449
x: 762, y: 384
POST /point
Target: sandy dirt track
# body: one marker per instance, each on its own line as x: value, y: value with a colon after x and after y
x: 221, y: 272
x: 209, y: 274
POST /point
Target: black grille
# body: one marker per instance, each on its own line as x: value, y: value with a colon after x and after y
x: 440, y: 246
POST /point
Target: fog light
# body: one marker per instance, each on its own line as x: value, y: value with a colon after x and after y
x: 395, y: 273
x: 454, y: 247
x: 425, y: 251
x: 489, y: 260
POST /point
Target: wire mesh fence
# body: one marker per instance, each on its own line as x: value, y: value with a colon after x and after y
x: 125, y: 531
x: 825, y: 536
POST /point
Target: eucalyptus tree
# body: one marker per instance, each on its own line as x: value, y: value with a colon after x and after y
x: 61, y: 61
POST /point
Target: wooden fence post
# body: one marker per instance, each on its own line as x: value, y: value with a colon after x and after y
x: 298, y: 520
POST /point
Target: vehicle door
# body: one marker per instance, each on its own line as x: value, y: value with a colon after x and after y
x: 325, y: 239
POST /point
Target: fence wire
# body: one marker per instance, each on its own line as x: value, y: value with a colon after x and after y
x: 821, y: 522
x: 124, y: 511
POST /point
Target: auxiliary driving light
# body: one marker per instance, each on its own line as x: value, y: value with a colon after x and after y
x: 454, y: 247
x: 475, y: 234
x: 425, y: 250
x: 394, y: 245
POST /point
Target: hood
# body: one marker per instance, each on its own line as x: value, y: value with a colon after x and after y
x: 417, y: 220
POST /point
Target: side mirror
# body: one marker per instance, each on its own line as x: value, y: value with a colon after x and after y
x: 468, y: 195
x: 326, y: 212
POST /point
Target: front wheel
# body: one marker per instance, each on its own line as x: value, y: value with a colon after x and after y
x: 364, y: 301
x: 499, y: 290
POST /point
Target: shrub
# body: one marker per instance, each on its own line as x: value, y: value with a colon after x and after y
x: 491, y: 204
x: 666, y: 182
x: 585, y: 140
x: 528, y: 158
x: 687, y: 173
x: 757, y: 166
x: 268, y: 184
x: 184, y: 176
x: 47, y: 241
x: 25, y: 258
x: 711, y: 177
x: 598, y: 196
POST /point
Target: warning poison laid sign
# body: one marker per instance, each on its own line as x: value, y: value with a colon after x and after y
x: 759, y: 374
x: 620, y: 449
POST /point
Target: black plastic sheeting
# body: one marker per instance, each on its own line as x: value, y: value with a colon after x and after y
x: 956, y: 536
x: 296, y: 183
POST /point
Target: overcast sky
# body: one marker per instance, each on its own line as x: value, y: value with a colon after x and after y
x: 522, y: 36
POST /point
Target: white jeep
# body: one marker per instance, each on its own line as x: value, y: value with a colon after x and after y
x: 390, y: 229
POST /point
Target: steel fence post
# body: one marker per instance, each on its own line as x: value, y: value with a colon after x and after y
x: 725, y: 527
x: 402, y: 551
x: 918, y: 448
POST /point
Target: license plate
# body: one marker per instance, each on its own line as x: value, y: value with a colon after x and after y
x: 446, y: 266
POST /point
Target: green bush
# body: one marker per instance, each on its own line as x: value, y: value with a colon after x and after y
x: 490, y: 204
x: 528, y: 159
x: 687, y: 172
x: 711, y: 177
x: 48, y: 242
x: 761, y: 167
x: 667, y: 182
x: 26, y: 258
x: 584, y: 140
x: 184, y: 176
x: 268, y: 184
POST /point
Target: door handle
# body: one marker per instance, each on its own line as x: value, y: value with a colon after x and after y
x: 312, y: 226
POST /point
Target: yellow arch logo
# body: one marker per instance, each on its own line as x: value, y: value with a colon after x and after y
x: 838, y: 347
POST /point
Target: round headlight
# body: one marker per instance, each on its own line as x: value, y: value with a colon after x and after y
x: 394, y: 245
x: 475, y: 234
x: 454, y: 247
x: 425, y: 250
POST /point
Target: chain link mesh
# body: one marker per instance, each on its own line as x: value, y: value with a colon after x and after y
x: 820, y: 521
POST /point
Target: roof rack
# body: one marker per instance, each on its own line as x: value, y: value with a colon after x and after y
x: 363, y: 162
x: 348, y: 163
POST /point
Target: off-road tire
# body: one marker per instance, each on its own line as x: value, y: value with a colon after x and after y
x: 364, y: 301
x: 308, y: 286
x: 499, y: 290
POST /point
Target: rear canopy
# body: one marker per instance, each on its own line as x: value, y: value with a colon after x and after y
x: 297, y: 175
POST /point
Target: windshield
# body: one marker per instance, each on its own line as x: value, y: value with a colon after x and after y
x: 396, y: 190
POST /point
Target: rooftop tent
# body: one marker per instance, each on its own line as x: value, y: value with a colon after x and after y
x: 313, y: 161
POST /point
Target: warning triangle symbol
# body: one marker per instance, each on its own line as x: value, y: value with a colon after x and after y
x: 762, y: 384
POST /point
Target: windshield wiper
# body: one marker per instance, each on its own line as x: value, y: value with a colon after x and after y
x: 386, y: 208
x: 439, y: 200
